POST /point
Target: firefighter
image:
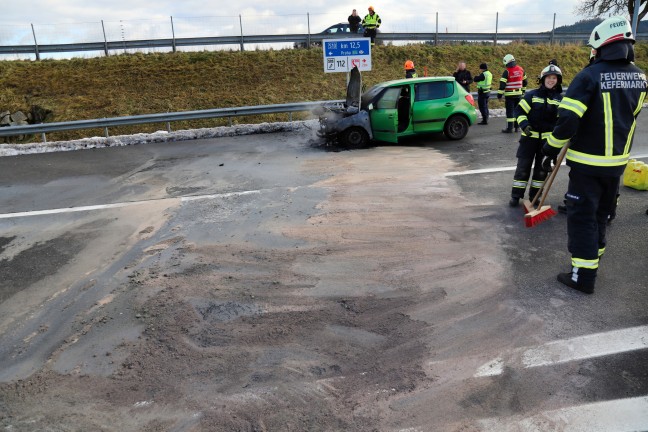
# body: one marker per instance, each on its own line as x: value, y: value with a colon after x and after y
x: 484, y: 82
x: 371, y: 23
x: 598, y: 114
x: 410, y: 72
x: 536, y: 114
x: 512, y: 85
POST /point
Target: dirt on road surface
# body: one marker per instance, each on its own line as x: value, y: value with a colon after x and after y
x: 339, y: 304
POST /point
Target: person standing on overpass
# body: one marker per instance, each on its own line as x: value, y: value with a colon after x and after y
x: 371, y: 23
x: 354, y: 22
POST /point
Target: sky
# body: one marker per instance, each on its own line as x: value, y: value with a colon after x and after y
x: 74, y: 21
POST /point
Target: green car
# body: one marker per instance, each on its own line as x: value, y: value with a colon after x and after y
x: 394, y: 109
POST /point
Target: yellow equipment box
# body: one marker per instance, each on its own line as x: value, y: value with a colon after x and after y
x: 636, y: 175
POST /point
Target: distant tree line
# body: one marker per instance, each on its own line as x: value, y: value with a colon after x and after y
x: 587, y: 25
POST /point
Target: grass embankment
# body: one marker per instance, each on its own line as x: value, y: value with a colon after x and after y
x: 123, y: 85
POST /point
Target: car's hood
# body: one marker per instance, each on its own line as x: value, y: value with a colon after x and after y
x: 354, y: 88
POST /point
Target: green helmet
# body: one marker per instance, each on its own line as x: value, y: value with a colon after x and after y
x: 613, y: 29
x: 508, y: 58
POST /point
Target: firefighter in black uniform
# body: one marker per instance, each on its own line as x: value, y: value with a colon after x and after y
x: 599, y: 115
x: 536, y: 114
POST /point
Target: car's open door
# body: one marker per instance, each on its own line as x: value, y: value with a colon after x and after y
x: 384, y: 116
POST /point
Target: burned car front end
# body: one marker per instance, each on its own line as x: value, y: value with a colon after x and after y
x: 346, y: 123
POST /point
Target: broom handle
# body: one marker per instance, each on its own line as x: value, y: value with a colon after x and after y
x: 552, y: 176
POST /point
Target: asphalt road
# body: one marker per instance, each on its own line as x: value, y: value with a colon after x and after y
x: 405, y: 294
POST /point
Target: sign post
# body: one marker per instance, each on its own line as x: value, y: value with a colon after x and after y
x: 342, y: 55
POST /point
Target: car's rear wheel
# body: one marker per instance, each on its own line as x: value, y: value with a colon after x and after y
x: 355, y: 137
x: 456, y: 127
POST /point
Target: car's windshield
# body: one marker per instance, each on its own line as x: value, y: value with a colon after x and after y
x: 370, y: 95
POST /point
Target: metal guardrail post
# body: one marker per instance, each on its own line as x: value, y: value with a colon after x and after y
x: 106, y: 132
x: 308, y: 40
x: 103, y: 28
x: 35, y: 43
x: 635, y: 18
x: 173, y: 43
x: 241, y: 24
x: 43, y: 137
x: 496, y: 25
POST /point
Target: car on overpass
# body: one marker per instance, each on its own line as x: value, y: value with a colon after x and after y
x: 332, y: 31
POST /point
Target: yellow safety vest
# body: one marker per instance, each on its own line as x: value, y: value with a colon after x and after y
x: 485, y: 85
x: 371, y: 21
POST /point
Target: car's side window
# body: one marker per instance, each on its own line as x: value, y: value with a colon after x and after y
x: 389, y: 98
x: 433, y: 90
x: 450, y: 89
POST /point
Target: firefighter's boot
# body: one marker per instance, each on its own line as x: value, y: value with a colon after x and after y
x: 580, y: 279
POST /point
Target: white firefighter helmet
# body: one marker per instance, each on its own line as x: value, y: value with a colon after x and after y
x: 551, y: 70
x: 613, y: 29
x: 508, y: 58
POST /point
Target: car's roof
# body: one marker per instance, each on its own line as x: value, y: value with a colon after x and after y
x: 415, y: 80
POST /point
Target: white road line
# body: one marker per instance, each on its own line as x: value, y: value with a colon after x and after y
x: 579, y: 348
x: 479, y: 171
x: 622, y: 415
x: 510, y: 168
x: 122, y: 204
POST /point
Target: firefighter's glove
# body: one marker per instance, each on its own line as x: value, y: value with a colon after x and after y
x: 499, y: 96
x: 547, y: 150
x: 527, y: 130
x: 549, y: 156
x: 548, y: 163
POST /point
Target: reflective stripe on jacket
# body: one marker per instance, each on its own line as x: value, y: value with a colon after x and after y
x: 538, y: 109
x: 599, y: 115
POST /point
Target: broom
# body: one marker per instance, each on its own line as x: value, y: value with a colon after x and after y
x: 535, y: 216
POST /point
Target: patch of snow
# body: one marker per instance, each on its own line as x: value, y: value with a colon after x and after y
x: 164, y: 136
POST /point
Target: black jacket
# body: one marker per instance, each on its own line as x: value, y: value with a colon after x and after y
x: 354, y: 23
x: 599, y: 114
x: 538, y: 109
x: 463, y: 75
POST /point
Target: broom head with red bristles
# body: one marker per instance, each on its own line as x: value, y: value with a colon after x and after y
x: 537, y: 216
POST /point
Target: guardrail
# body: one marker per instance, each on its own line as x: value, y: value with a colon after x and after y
x: 105, y: 123
x: 43, y: 128
x: 305, y: 39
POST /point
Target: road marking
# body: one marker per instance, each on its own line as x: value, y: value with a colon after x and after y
x: 503, y: 169
x: 578, y: 348
x: 622, y: 415
x: 123, y: 204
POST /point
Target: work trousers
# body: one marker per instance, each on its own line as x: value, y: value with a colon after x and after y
x: 482, y: 103
x: 511, y: 102
x: 522, y: 173
x: 589, y: 199
x: 370, y: 33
